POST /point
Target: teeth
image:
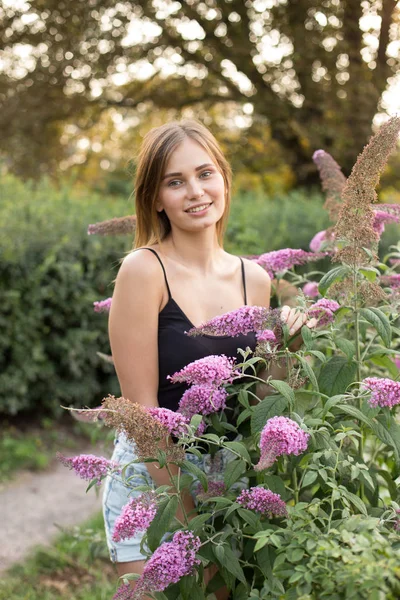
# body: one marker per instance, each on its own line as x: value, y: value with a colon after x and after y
x: 199, y: 208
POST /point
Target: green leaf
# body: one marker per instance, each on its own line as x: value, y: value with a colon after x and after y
x: 336, y: 274
x: 336, y: 374
x: 194, y: 470
x: 198, y: 522
x: 308, y: 371
x: 271, y: 406
x: 379, y: 320
x: 370, y: 273
x: 386, y: 363
x: 161, y: 522
x: 330, y: 403
x: 307, y: 337
x: 243, y: 398
x: 355, y: 500
x: 240, y: 448
x: 229, y: 561
x: 346, y: 346
x: 264, y: 562
x: 309, y: 478
x: 233, y: 471
x: 249, y: 517
x: 245, y: 414
x: 285, y: 390
x: 388, y: 433
x: 392, y: 487
x: 356, y: 413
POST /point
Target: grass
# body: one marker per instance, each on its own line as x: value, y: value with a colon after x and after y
x: 33, y: 446
x: 76, y: 567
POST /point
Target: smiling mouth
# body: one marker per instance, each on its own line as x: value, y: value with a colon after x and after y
x: 199, y: 208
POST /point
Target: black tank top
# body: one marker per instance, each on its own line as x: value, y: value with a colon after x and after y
x: 176, y: 349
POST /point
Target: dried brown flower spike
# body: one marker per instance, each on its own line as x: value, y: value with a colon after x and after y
x: 116, y: 226
x: 142, y: 430
x: 333, y: 182
x: 355, y: 226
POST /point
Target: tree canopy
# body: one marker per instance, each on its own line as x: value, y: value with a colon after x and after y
x: 313, y: 72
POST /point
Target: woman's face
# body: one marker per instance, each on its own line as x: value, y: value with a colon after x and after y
x: 191, y: 181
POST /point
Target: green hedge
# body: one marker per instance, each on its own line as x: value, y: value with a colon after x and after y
x: 51, y: 271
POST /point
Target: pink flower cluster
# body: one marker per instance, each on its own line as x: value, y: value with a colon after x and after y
x: 215, y: 488
x: 323, y: 310
x: 88, y: 466
x: 267, y: 335
x: 103, y: 305
x: 135, y: 516
x: 310, y: 289
x: 384, y: 392
x: 263, y: 501
x: 317, y: 241
x: 175, y: 422
x: 382, y: 217
x: 280, y: 436
x: 202, y: 400
x: 169, y: 563
x: 392, y: 281
x: 282, y: 260
x: 236, y: 322
x: 210, y: 370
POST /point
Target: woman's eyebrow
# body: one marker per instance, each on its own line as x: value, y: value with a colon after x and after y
x: 196, y: 169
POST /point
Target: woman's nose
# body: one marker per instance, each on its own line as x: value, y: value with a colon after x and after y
x: 194, y: 189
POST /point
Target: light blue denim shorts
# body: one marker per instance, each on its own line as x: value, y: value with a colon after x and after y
x: 117, y: 493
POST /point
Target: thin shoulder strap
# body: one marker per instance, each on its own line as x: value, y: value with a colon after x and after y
x: 244, y: 281
x: 162, y: 266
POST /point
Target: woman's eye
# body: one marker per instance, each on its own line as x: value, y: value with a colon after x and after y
x: 206, y: 173
x: 170, y: 184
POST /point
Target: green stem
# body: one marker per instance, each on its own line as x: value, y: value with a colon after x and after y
x: 295, y: 486
x: 358, y: 363
x: 178, y: 494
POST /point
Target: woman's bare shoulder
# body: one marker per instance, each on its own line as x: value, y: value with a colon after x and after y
x: 258, y: 282
x: 140, y: 262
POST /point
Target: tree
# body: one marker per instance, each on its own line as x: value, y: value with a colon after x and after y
x: 315, y: 71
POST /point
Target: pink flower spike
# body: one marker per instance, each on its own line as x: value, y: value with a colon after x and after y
x: 392, y: 281
x: 124, y: 592
x: 317, y: 241
x: 280, y: 436
x: 266, y: 336
x: 88, y: 466
x: 241, y: 321
x: 384, y: 392
x: 175, y: 422
x: 381, y: 218
x: 279, y: 261
x: 170, y: 562
x: 215, y: 488
x: 310, y: 289
x: 323, y: 310
x: 263, y: 501
x: 202, y: 400
x: 210, y: 370
x: 102, y: 305
x: 135, y: 516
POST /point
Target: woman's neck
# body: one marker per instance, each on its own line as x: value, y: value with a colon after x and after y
x: 201, y: 253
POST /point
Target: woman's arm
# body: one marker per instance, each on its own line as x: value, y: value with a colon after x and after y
x: 133, y: 332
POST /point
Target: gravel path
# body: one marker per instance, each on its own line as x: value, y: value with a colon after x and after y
x: 34, y: 503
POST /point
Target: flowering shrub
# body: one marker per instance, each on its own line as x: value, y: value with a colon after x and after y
x: 306, y: 505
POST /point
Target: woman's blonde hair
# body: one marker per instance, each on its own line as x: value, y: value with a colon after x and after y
x: 157, y: 146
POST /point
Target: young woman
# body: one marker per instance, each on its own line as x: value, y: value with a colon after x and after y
x: 177, y: 277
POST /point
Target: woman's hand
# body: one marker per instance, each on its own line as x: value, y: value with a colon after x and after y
x: 295, y: 320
